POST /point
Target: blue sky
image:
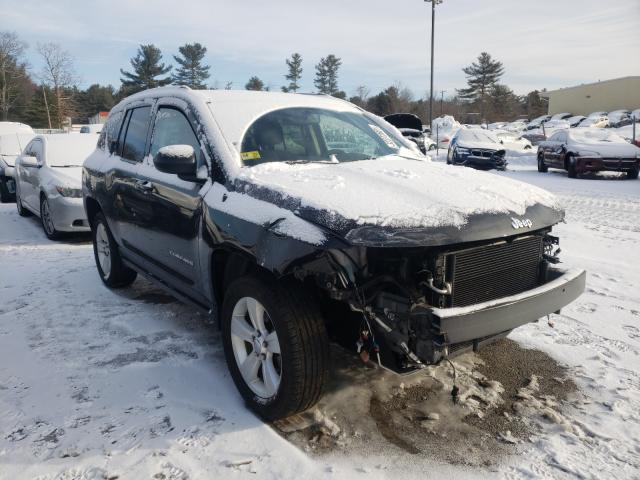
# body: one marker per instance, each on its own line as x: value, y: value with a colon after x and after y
x: 543, y: 43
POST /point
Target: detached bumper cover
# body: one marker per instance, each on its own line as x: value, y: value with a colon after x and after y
x: 462, y: 324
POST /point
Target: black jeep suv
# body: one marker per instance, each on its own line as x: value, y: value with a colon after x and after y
x: 296, y: 218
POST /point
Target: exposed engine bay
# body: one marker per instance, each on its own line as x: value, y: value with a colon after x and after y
x: 392, y: 293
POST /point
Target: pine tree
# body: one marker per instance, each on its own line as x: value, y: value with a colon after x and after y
x: 146, y: 70
x: 191, y: 71
x: 481, y: 77
x: 327, y: 75
x: 254, y: 83
x: 295, y: 73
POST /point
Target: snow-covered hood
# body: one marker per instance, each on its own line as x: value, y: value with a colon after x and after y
x: 394, y: 200
x: 479, y: 144
x: 66, y: 176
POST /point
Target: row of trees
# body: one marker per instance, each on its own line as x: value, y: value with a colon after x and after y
x: 49, y: 97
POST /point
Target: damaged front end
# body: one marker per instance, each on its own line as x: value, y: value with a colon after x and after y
x: 413, y: 306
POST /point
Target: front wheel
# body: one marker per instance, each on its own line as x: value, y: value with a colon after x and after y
x: 23, y: 212
x: 46, y: 218
x: 572, y: 171
x: 113, y: 272
x: 542, y: 168
x: 633, y: 173
x: 276, y: 345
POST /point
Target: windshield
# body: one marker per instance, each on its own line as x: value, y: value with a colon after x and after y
x: 70, y: 151
x: 302, y: 134
x: 476, y: 136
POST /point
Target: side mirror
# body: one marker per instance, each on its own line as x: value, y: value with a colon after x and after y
x: 29, y: 162
x: 176, y: 159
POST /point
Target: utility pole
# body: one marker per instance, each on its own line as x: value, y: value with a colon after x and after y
x: 441, y: 100
x: 46, y: 104
x: 433, y: 22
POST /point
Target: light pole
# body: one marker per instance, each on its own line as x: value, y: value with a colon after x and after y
x: 433, y: 22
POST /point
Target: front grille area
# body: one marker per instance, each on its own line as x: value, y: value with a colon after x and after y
x: 494, y: 271
x: 482, y: 153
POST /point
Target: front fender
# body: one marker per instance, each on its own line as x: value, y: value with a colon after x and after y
x: 274, y: 237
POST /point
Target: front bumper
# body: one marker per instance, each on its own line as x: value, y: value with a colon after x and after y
x: 597, y: 164
x: 487, y: 163
x: 476, y: 322
x: 68, y: 214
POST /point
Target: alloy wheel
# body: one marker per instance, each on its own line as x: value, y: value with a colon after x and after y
x: 256, y: 347
x: 47, y: 219
x: 104, y: 249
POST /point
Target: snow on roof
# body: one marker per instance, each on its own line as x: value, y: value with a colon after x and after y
x: 14, y: 127
x: 13, y: 143
x: 595, y: 135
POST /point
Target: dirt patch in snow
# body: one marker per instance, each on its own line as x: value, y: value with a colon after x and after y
x: 376, y: 412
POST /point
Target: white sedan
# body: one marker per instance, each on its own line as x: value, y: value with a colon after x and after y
x: 49, y: 181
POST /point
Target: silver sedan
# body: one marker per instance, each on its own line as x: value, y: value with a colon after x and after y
x: 49, y: 181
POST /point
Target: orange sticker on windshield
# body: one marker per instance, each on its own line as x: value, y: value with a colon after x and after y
x: 254, y: 155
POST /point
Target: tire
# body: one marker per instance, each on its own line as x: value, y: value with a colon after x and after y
x: 301, y: 361
x: 23, y: 212
x: 46, y: 219
x: 633, y: 173
x: 542, y: 168
x: 571, y: 167
x: 5, y: 195
x: 432, y: 147
x: 114, y: 274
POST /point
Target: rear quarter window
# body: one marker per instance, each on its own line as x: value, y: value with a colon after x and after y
x: 110, y: 131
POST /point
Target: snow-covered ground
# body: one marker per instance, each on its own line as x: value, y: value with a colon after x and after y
x: 98, y: 384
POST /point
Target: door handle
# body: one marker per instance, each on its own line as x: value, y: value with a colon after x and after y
x: 144, y: 186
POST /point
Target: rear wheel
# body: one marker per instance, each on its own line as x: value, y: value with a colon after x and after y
x: 633, y: 173
x: 113, y: 272
x: 276, y: 345
x: 571, y: 167
x: 542, y: 168
x: 46, y: 218
x: 23, y: 212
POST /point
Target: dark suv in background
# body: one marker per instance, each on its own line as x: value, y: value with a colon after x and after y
x: 296, y: 218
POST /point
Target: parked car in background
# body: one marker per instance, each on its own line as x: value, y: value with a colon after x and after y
x: 512, y: 140
x: 444, y: 128
x: 575, y: 120
x: 536, y: 122
x: 545, y: 130
x: 561, y: 116
x: 597, y: 114
x: 476, y: 148
x: 234, y: 201
x: 635, y: 114
x: 619, y: 118
x: 411, y: 128
x: 11, y: 144
x: 581, y: 150
x: 91, y: 128
x: 48, y: 182
x: 597, y: 121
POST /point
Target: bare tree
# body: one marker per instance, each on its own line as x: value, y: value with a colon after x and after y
x: 12, y: 70
x: 58, y: 73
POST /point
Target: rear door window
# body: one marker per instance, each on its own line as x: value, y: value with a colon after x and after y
x: 135, y: 139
